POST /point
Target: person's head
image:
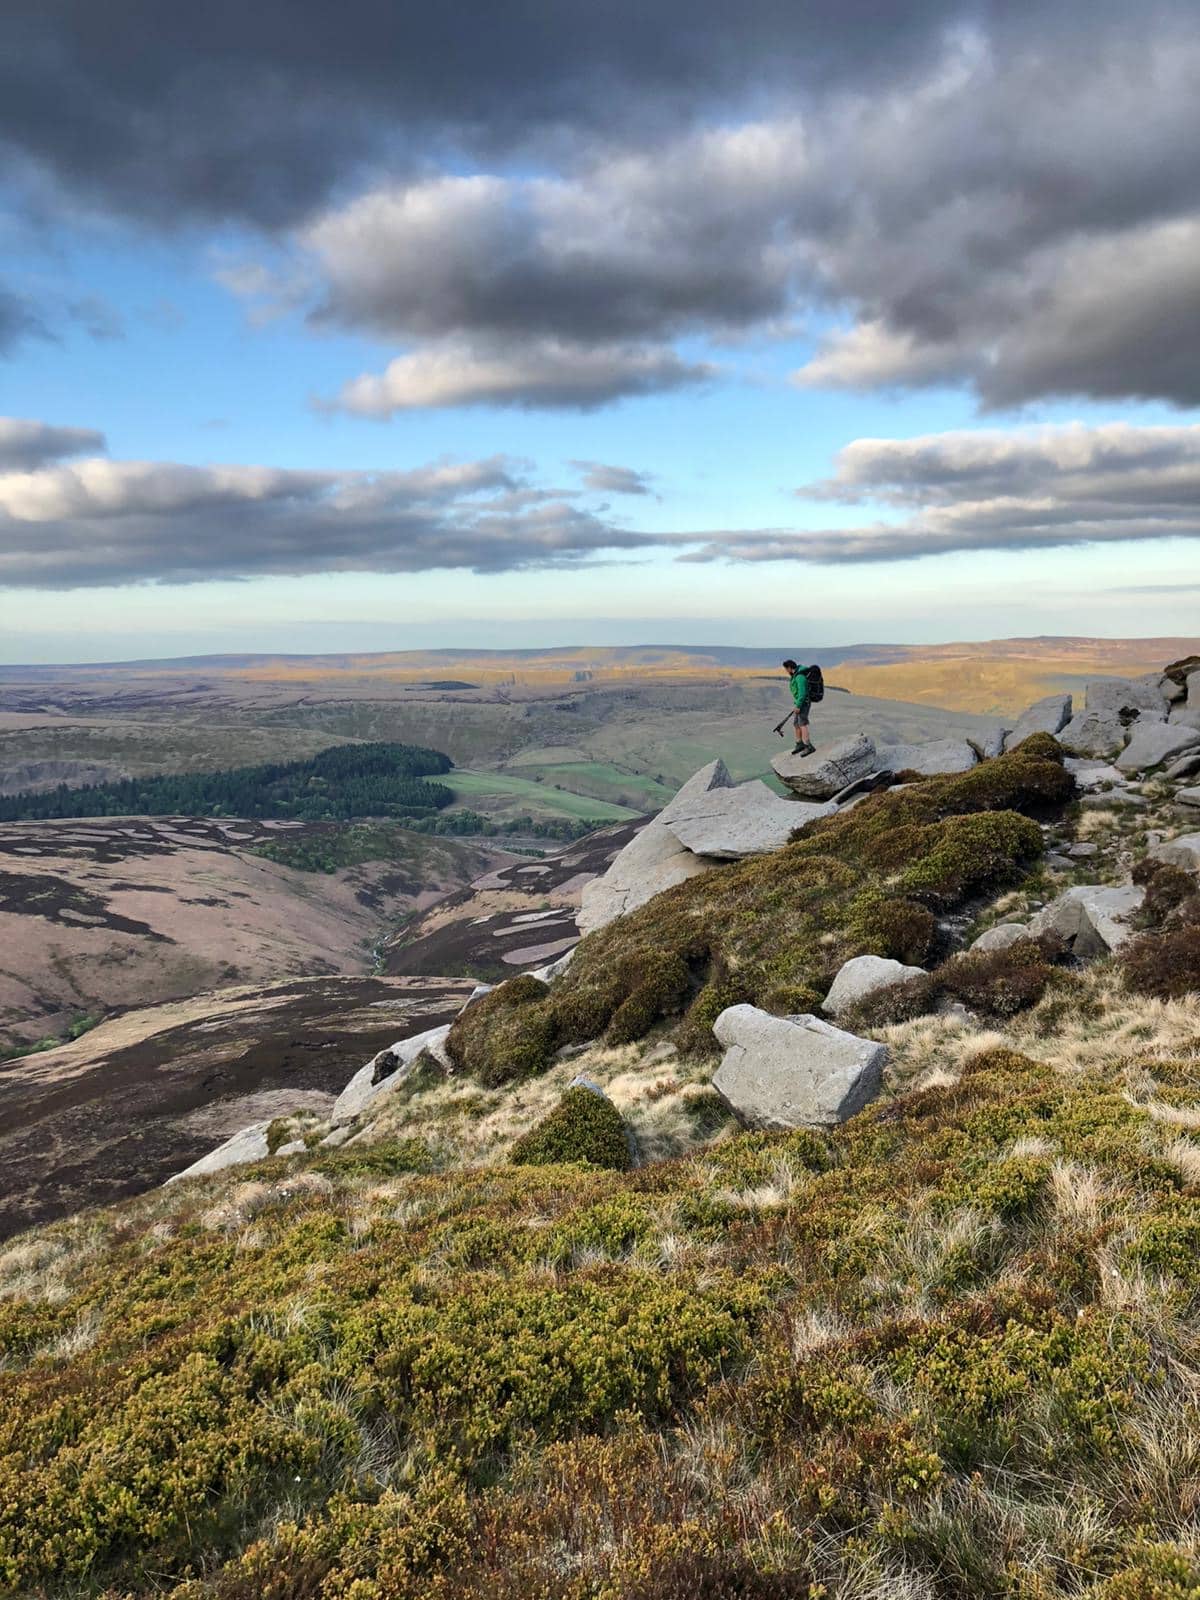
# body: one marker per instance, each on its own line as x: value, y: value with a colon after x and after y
x: 790, y: 667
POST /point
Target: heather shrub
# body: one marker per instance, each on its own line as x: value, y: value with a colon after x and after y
x: 1165, y: 965
x: 1168, y: 888
x: 584, y: 1126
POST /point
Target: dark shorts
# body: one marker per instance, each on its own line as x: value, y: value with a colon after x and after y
x: 802, y: 711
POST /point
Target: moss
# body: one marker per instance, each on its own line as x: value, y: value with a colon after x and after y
x: 584, y: 1126
x: 505, y: 1035
x: 661, y: 993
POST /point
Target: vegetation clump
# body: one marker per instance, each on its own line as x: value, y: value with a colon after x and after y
x: 995, y: 984
x: 584, y: 1126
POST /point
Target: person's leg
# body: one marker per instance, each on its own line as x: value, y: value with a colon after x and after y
x: 801, y: 732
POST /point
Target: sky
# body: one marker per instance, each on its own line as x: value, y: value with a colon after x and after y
x: 368, y: 327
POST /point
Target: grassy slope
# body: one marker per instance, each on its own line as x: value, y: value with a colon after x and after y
x: 509, y: 793
x: 947, y: 1351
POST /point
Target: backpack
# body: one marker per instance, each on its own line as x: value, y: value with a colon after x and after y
x: 816, y: 684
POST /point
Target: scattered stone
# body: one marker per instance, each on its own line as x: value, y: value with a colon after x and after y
x: 336, y: 1137
x: 790, y: 1072
x: 1117, y: 800
x: 930, y: 759
x: 1044, y: 716
x: 294, y: 1147
x: 821, y: 776
x: 653, y: 860
x: 1181, y: 852
x: 1092, y: 918
x: 1093, y: 733
x: 1056, y: 862
x: 387, y: 1071
x: 750, y: 820
x: 1153, y: 743
x: 1083, y: 851
x: 248, y: 1144
x: 1001, y: 937
x: 862, y: 976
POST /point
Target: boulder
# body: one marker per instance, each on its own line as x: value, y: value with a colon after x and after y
x: 1184, y: 716
x: 791, y: 1072
x: 652, y: 861
x: 1044, y: 716
x: 1092, y: 775
x: 554, y: 969
x: 938, y: 756
x: 1001, y: 936
x: 248, y: 1144
x: 1153, y: 743
x: 1092, y: 918
x: 1187, y: 766
x: 387, y: 1071
x: 1183, y: 851
x: 990, y: 744
x: 1141, y: 698
x: 1084, y: 850
x: 1093, y: 733
x: 821, y: 776
x: 862, y: 976
x: 750, y: 820
x: 1193, y: 690
x: 1187, y: 797
x: 862, y: 788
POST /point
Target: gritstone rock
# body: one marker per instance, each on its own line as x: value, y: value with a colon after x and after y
x: 1181, y: 852
x: 1001, y: 936
x: 386, y: 1071
x: 248, y: 1144
x: 1044, y: 716
x: 862, y: 976
x: 930, y: 760
x: 821, y: 776
x: 1093, y: 733
x: 555, y: 969
x: 747, y: 821
x: 791, y: 1072
x: 1186, y: 767
x: 1187, y: 797
x: 1140, y: 697
x: 990, y: 744
x: 1092, y: 918
x: 1155, y: 742
x: 652, y: 861
x: 1091, y: 775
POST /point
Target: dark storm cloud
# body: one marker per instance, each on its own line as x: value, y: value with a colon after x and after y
x: 25, y: 445
x: 259, y: 111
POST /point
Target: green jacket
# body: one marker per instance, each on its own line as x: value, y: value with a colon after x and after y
x: 799, y: 685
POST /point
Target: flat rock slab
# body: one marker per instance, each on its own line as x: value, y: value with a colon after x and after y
x: 931, y: 759
x: 1044, y: 716
x: 249, y: 1144
x: 386, y: 1071
x: 1155, y: 742
x: 793, y: 1072
x: 863, y: 975
x: 1091, y: 775
x: 1187, y: 797
x: 1183, y: 851
x: 750, y: 820
x: 821, y: 776
x: 1187, y: 766
x: 1092, y: 918
x: 653, y: 860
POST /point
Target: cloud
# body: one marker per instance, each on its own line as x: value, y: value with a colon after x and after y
x: 96, y: 522
x: 18, y: 320
x: 25, y: 446
x: 604, y: 479
x: 546, y: 373
x: 99, y: 320
x: 991, y: 490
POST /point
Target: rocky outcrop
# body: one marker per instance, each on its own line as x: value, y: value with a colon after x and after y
x: 821, y: 776
x: 1091, y: 918
x: 248, y: 1144
x: 861, y: 976
x: 653, y: 860
x: 791, y: 1072
x: 748, y: 820
x: 931, y: 759
x: 1044, y: 716
x: 1093, y: 733
x: 386, y: 1071
x: 1154, y: 743
x: 1129, y: 698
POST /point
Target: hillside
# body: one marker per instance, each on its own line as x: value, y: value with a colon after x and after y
x: 483, y: 1329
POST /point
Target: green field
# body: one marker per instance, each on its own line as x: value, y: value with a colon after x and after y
x: 476, y: 789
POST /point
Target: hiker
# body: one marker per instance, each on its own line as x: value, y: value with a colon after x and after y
x: 798, y: 683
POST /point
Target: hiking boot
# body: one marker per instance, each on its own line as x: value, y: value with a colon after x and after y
x: 799, y: 748
x: 808, y: 749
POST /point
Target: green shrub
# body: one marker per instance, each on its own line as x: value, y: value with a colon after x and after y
x: 505, y: 1035
x: 584, y: 1126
